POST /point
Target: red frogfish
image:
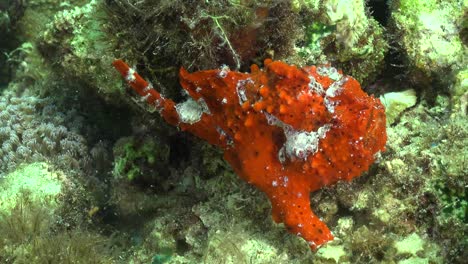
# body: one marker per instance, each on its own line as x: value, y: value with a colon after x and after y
x: 286, y: 130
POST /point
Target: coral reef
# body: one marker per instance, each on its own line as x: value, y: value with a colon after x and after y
x: 397, y: 102
x: 430, y: 35
x: 42, y: 187
x: 460, y: 94
x: 80, y: 39
x: 31, y: 129
x: 353, y: 41
x: 207, y: 31
x: 83, y: 50
x: 130, y: 154
x: 74, y: 202
x: 32, y: 217
x: 10, y: 13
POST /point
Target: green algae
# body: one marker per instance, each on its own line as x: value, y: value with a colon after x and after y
x: 130, y: 155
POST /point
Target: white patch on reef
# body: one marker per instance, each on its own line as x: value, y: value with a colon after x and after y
x: 335, y: 89
x: 315, y: 86
x: 397, y: 102
x: 273, y: 120
x: 223, y: 71
x: 148, y: 87
x: 299, y: 144
x: 130, y: 75
x: 242, y: 90
x: 223, y: 134
x: 329, y: 71
x: 329, y: 105
x: 285, y: 181
x: 190, y: 111
x: 220, y: 131
x: 158, y: 104
x: 377, y: 156
x: 145, y: 97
